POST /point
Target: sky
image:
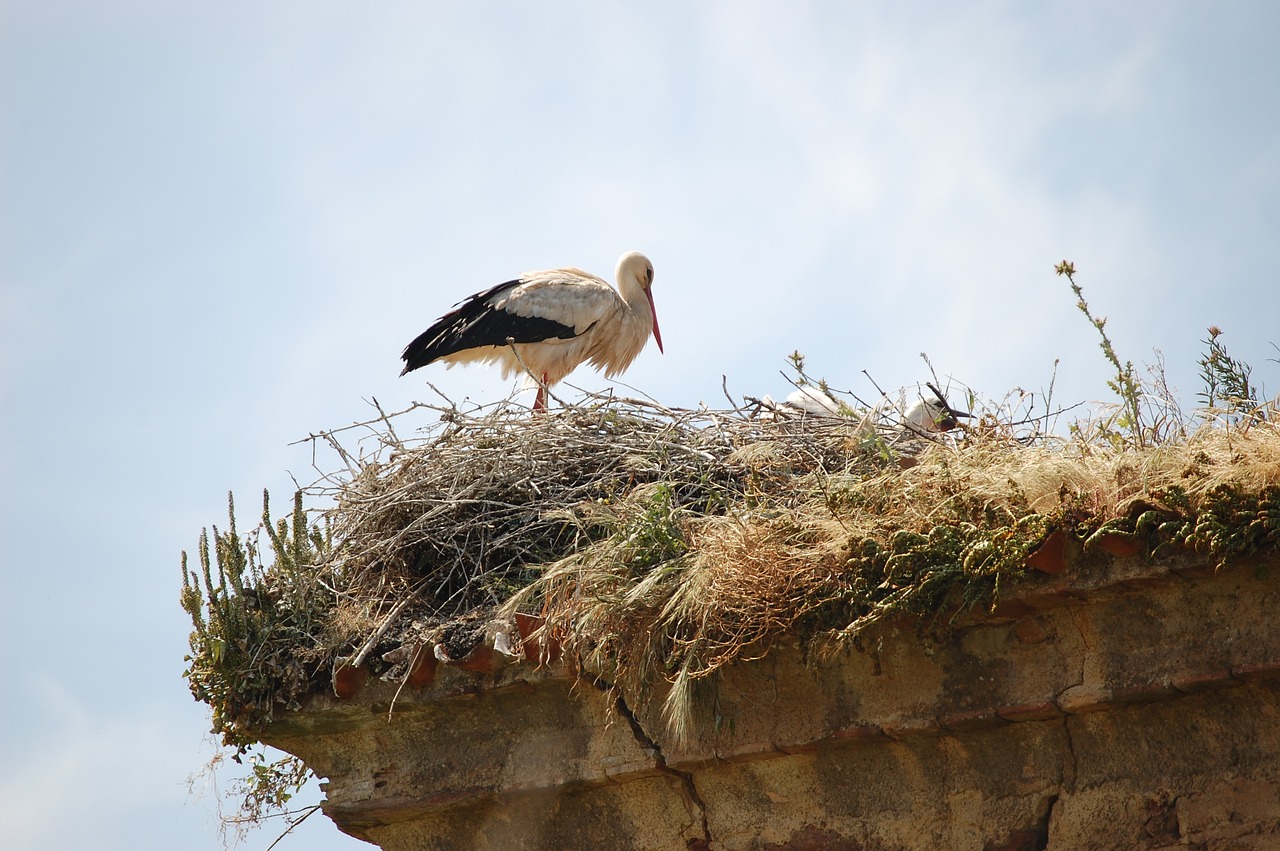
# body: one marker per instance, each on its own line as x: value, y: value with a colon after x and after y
x: 221, y: 222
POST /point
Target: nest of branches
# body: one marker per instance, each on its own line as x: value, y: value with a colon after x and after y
x: 477, y: 509
x: 659, y: 545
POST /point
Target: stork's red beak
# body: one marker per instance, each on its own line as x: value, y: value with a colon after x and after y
x: 657, y: 335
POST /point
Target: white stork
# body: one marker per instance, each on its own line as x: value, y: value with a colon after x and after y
x: 552, y: 320
x: 808, y: 399
x: 923, y: 416
x: 931, y: 415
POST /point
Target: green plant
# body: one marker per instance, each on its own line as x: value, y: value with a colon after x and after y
x: 653, y: 535
x: 1125, y: 384
x: 1226, y: 380
x: 253, y: 623
x: 265, y: 792
x: 256, y: 642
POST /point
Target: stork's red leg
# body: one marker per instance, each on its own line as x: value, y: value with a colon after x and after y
x: 540, y: 403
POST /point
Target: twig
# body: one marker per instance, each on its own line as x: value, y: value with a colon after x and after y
x: 537, y: 379
x: 391, y: 429
x: 724, y: 388
x: 883, y: 395
x: 293, y: 825
x: 381, y: 418
x: 359, y: 658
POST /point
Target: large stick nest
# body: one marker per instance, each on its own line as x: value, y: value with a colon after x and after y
x: 655, y: 539
x: 474, y: 510
x: 659, y: 545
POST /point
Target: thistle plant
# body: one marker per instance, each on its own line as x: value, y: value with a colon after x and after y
x: 1125, y: 384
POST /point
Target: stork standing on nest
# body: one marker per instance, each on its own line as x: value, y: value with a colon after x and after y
x: 547, y: 323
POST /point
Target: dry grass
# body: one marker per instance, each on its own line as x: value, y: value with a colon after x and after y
x: 662, y: 544
x: 469, y: 513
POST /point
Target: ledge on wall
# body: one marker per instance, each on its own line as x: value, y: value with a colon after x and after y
x: 1117, y: 703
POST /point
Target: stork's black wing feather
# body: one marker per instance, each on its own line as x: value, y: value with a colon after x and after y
x: 474, y: 323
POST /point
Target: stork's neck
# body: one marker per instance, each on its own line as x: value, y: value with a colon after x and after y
x: 632, y: 292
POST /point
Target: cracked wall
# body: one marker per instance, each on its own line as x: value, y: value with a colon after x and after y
x: 1128, y: 706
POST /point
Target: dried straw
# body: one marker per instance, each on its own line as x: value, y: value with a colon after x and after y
x: 469, y: 512
x: 663, y: 544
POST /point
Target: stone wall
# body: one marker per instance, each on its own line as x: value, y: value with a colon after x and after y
x: 1118, y: 705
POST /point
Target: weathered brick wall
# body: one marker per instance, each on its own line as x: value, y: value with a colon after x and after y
x: 1116, y: 705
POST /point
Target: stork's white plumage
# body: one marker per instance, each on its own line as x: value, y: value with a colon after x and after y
x: 808, y: 399
x: 926, y: 415
x: 554, y: 320
x: 929, y: 416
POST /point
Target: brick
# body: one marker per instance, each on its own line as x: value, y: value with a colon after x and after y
x: 908, y: 728
x: 1038, y: 711
x: 1256, y: 671
x: 1032, y: 630
x: 1145, y: 693
x: 1050, y: 557
x: 976, y: 719
x: 1193, y: 683
x: 1081, y: 699
x: 1048, y: 599
x: 750, y: 752
x: 1012, y: 609
x: 859, y: 732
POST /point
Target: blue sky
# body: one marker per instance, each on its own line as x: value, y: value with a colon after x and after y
x: 221, y: 222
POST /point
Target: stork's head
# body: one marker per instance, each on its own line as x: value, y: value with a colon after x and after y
x: 636, y: 272
x: 932, y: 415
x: 636, y: 266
